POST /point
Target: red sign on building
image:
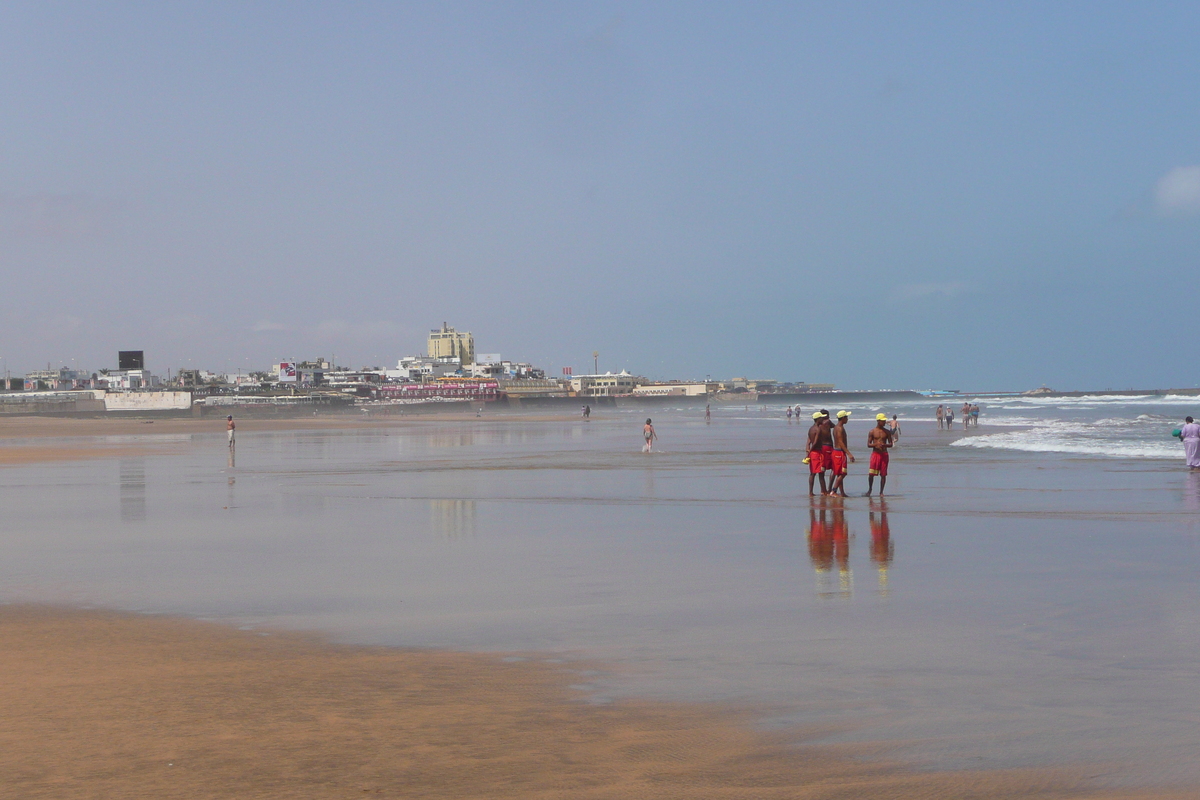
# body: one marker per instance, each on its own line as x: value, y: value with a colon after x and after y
x: 445, y: 390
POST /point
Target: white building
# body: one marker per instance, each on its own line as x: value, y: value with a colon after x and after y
x: 673, y: 390
x: 128, y: 380
x: 417, y: 368
x: 606, y: 385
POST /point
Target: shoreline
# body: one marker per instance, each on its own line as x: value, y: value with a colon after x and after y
x: 102, y: 703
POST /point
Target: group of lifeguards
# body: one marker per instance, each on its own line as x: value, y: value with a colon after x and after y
x: 828, y: 451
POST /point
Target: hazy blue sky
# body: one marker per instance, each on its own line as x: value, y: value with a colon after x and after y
x: 949, y: 195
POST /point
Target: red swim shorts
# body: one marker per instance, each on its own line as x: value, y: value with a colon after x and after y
x: 816, y: 462
x: 827, y: 454
x: 879, y: 462
x: 838, y: 462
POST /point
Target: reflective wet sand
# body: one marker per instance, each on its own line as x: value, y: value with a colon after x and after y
x: 105, y: 705
x: 994, y: 612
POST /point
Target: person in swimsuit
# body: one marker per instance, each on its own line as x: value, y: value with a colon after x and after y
x: 966, y: 415
x: 826, y: 442
x: 949, y: 418
x: 841, y: 452
x: 789, y: 413
x: 708, y: 413
x: 816, y: 459
x: 941, y: 415
x: 895, y: 428
x: 229, y: 428
x: 649, y: 435
x: 975, y: 415
x: 879, y: 440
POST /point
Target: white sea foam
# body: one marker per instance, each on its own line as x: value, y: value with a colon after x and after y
x: 1050, y: 440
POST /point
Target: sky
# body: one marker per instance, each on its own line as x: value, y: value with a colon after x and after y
x: 974, y: 196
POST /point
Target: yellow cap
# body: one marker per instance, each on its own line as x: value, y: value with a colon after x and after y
x: 882, y: 417
x: 842, y: 414
x: 817, y: 415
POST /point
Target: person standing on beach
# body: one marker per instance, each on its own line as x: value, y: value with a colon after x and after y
x: 949, y: 418
x: 827, y: 444
x: 229, y: 428
x: 841, y: 452
x: 587, y: 411
x: 649, y: 435
x: 966, y: 415
x: 708, y: 413
x: 816, y: 458
x: 879, y: 440
x: 1190, y: 436
x: 941, y: 415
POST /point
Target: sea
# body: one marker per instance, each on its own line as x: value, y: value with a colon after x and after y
x: 1027, y: 593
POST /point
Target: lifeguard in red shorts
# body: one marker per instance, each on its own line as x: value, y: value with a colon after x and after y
x: 842, y: 457
x: 816, y: 457
x: 879, y: 440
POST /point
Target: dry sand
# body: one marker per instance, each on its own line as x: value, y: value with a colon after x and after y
x: 104, y: 705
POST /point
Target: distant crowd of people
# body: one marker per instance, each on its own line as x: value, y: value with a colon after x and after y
x: 969, y: 412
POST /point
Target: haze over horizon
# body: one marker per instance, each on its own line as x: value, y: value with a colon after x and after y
x: 886, y: 195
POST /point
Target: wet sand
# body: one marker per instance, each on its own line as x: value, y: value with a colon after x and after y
x: 949, y: 634
x: 100, y: 704
x: 35, y: 427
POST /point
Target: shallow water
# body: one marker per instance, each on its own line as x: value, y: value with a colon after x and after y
x: 1000, y: 608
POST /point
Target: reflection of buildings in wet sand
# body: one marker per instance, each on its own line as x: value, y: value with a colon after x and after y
x: 132, y: 489
x: 829, y: 546
x: 452, y: 518
x: 882, y: 549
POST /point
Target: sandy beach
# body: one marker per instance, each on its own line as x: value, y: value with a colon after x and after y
x: 99, y: 704
x: 688, y: 624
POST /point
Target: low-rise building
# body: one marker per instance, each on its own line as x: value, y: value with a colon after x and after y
x: 425, y: 368
x: 674, y: 389
x: 606, y: 385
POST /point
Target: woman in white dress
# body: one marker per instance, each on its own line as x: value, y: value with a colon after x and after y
x: 1190, y: 434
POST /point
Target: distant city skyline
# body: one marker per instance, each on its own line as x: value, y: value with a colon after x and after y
x: 877, y: 196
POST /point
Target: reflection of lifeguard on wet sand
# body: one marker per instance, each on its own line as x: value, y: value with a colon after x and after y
x: 829, y: 544
x: 882, y: 549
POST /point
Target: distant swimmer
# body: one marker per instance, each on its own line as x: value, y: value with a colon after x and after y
x: 949, y: 418
x: 966, y: 415
x: 895, y: 428
x: 708, y: 413
x: 879, y: 440
x: 1189, y: 434
x: 941, y: 416
x: 229, y: 428
x: 649, y: 435
x: 975, y: 415
x: 789, y: 413
x: 841, y: 452
x: 816, y: 458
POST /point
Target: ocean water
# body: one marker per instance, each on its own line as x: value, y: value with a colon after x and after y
x: 1026, y: 594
